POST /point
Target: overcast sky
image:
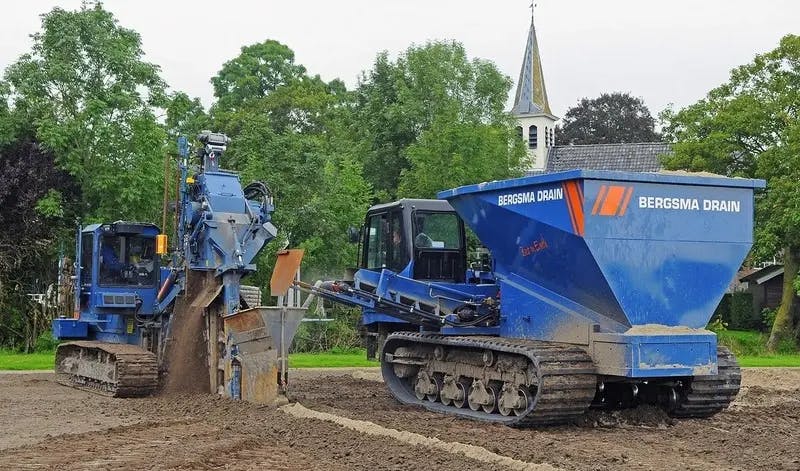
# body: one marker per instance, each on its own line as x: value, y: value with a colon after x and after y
x: 663, y: 51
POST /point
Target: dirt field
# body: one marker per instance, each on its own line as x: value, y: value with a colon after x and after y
x: 47, y: 426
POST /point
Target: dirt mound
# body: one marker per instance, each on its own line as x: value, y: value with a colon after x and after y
x: 186, y: 353
x: 643, y: 416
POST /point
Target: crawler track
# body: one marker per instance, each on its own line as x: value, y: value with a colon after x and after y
x: 116, y: 370
x: 559, y: 381
x: 704, y: 396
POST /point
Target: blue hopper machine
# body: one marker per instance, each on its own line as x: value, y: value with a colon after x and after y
x: 597, y: 293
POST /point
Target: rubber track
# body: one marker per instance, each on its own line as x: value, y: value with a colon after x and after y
x: 136, y: 370
x: 567, y: 377
x: 707, y: 395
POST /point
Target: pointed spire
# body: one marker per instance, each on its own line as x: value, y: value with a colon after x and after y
x: 531, y: 95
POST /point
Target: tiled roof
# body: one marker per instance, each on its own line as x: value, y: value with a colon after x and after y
x: 631, y: 157
x: 764, y: 274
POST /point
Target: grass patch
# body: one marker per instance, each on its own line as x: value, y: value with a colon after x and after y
x: 334, y: 359
x: 357, y: 357
x: 770, y: 360
x: 26, y: 361
x: 748, y: 343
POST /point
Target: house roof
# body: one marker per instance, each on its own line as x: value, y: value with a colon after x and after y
x: 763, y: 275
x: 629, y: 157
x: 531, y: 97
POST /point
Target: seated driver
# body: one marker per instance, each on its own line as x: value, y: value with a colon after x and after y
x: 144, y: 266
x: 422, y: 239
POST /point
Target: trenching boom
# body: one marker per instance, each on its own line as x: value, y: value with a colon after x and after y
x: 145, y: 318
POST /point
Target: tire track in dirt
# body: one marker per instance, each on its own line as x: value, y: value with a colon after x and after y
x: 411, y: 438
x: 187, y: 432
x: 179, y: 444
x: 48, y: 426
x: 756, y: 434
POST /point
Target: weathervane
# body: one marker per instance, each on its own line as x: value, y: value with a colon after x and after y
x: 533, y: 5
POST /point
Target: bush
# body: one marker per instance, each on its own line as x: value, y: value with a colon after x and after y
x: 339, y: 335
x: 723, y: 311
x: 742, y: 317
x: 717, y: 324
x: 787, y: 346
x: 751, y: 343
x: 768, y: 318
x: 741, y: 342
x: 45, y: 343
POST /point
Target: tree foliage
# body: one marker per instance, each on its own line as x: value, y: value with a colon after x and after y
x: 86, y: 124
x: 36, y: 212
x: 750, y: 127
x: 90, y: 98
x: 610, y: 118
x: 258, y: 70
x: 451, y: 154
x: 406, y: 108
x: 80, y: 141
x: 185, y: 117
x: 288, y: 134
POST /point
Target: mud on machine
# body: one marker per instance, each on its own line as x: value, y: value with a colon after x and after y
x: 131, y: 296
x: 598, y: 293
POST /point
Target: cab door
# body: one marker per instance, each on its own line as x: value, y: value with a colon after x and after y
x: 385, y: 242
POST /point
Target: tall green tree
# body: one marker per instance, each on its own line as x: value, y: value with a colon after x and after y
x: 258, y: 70
x: 292, y: 134
x: 90, y: 97
x: 185, y: 116
x: 750, y: 127
x: 450, y: 154
x: 425, y: 103
x: 37, y: 209
x: 610, y: 118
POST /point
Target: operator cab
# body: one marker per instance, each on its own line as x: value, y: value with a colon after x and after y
x: 417, y: 238
x: 118, y: 262
x: 126, y: 254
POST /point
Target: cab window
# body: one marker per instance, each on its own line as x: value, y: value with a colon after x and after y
x: 86, y: 257
x: 385, y: 242
x: 127, y: 260
x: 437, y: 231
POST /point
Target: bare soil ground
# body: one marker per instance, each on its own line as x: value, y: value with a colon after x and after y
x: 44, y: 425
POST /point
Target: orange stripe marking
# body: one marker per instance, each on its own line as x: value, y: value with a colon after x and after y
x: 565, y: 187
x: 574, y: 193
x: 625, y: 202
x: 600, y: 196
x: 611, y: 204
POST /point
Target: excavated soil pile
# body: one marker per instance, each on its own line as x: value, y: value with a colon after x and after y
x: 186, y: 351
x: 48, y: 426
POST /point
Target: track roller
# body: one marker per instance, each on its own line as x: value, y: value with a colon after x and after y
x: 117, y: 370
x: 515, y: 382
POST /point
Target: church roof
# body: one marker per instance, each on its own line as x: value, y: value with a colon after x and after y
x: 531, y: 97
x: 629, y: 157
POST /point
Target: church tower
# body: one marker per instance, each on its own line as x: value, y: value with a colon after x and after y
x: 535, y: 122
